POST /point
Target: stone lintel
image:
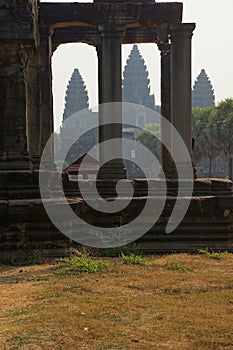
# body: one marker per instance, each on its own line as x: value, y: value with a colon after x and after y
x: 90, y: 35
x: 140, y: 35
x: 87, y: 35
x: 68, y: 14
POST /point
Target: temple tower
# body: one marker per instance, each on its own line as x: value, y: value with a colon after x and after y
x: 76, y: 100
x: 136, y: 84
x: 203, y: 92
x: 76, y: 97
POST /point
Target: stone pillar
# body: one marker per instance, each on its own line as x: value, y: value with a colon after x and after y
x: 165, y: 49
x: 13, y: 139
x: 181, y: 92
x: 33, y: 108
x: 110, y: 90
x: 46, y: 97
x: 99, y: 56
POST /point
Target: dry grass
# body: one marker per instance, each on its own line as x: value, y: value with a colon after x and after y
x: 173, y: 302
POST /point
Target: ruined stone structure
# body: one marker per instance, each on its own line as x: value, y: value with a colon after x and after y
x: 29, y: 35
x: 203, y: 92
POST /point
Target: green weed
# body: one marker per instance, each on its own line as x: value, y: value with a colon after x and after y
x: 124, y: 249
x: 212, y: 255
x: 133, y: 259
x: 178, y: 266
x: 79, y: 266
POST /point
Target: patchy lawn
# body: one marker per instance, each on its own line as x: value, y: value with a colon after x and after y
x: 163, y: 302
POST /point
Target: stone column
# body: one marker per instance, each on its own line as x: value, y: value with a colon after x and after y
x: 165, y: 49
x: 99, y: 56
x: 13, y: 134
x: 110, y: 90
x: 181, y: 92
x: 46, y: 97
x: 33, y: 107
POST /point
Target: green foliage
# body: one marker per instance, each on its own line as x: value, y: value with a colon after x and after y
x: 61, y: 165
x: 154, y: 128
x: 133, y: 259
x: 212, y: 255
x: 212, y: 131
x: 223, y: 128
x: 116, y: 251
x: 205, y: 137
x: 124, y: 249
x: 148, y: 138
x: 79, y: 266
x: 224, y: 125
x: 178, y: 266
x: 23, y: 257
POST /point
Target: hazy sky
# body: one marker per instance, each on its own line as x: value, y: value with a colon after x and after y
x: 212, y: 50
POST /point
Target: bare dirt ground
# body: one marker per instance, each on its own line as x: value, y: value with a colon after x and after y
x: 172, y: 302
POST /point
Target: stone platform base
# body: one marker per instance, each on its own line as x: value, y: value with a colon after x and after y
x: 207, y: 223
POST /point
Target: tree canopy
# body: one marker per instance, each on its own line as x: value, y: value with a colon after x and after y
x: 212, y: 132
x: 148, y: 137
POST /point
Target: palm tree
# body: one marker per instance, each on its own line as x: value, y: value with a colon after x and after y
x: 206, y: 145
x: 222, y: 126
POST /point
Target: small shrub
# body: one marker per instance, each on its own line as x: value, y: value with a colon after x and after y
x: 178, y: 266
x: 79, y: 266
x: 116, y: 251
x: 124, y: 249
x: 212, y: 255
x: 133, y: 259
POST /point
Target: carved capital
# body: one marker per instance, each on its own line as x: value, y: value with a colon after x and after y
x: 162, y: 34
x: 183, y: 31
x: 165, y: 49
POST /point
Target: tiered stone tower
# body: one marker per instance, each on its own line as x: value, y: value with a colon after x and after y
x: 203, y: 92
x: 76, y: 95
x: 136, y: 84
x: 76, y: 100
